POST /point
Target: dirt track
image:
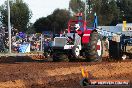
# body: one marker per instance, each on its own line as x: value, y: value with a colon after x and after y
x: 59, y: 74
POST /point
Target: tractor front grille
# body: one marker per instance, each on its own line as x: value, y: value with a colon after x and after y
x: 59, y: 41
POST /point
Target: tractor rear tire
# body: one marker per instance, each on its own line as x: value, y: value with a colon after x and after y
x: 95, y: 55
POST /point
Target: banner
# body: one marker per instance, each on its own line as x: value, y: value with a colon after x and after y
x: 24, y: 48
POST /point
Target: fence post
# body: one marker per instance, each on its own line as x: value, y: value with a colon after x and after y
x: 41, y: 42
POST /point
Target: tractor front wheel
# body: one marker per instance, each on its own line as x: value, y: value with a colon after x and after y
x: 76, y: 51
x: 60, y: 57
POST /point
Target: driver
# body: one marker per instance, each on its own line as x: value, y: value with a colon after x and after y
x: 77, y: 27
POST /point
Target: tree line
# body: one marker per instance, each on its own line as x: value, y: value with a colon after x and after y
x: 109, y: 12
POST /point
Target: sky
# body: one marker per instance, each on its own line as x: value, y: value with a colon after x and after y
x: 42, y: 8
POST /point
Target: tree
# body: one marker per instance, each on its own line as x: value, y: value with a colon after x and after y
x: 61, y: 18
x: 20, y: 14
x: 106, y: 10
x: 76, y: 6
x: 109, y: 12
x: 125, y: 10
x: 42, y: 24
x: 30, y: 29
x: 54, y: 22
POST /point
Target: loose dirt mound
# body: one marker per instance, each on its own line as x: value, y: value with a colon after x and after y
x: 13, y: 59
x: 60, y: 74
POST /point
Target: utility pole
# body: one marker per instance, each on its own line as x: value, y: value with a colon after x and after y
x: 87, y: 7
x: 0, y: 20
x: 9, y: 26
x: 85, y: 10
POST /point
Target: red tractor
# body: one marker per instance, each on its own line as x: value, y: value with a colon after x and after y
x: 78, y: 42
